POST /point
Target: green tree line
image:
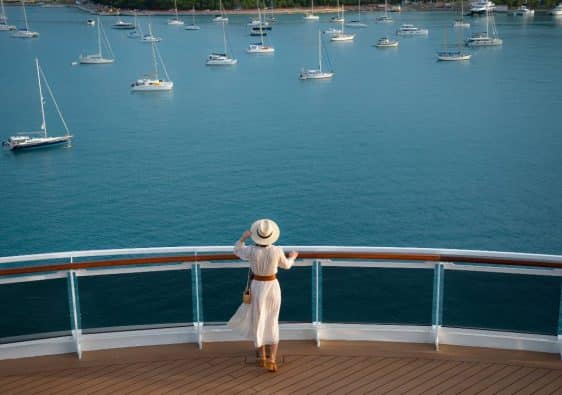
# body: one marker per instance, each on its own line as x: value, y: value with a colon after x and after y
x: 249, y: 4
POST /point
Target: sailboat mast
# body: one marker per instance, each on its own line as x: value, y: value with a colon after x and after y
x: 3, y: 12
x: 99, y: 37
x: 319, y: 52
x: 224, y: 37
x: 24, y: 15
x: 41, y: 100
x: 155, y: 64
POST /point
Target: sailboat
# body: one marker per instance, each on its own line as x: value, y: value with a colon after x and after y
x: 357, y: 22
x: 221, y: 17
x: 384, y: 18
x: 341, y: 35
x: 137, y: 33
x: 149, y: 37
x: 98, y: 58
x: 24, y: 32
x: 316, y: 74
x: 221, y: 59
x: 192, y: 26
x: 4, y: 27
x: 487, y: 38
x: 446, y: 55
x: 154, y: 83
x: 339, y: 17
x: 24, y: 140
x: 309, y: 16
x: 260, y: 47
x: 460, y: 23
x: 176, y: 20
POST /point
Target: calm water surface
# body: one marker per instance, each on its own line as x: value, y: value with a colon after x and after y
x: 396, y: 150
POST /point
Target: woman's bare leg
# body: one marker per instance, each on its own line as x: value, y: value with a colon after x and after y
x: 274, y: 352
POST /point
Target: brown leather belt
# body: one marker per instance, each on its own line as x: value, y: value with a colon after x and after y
x: 265, y: 278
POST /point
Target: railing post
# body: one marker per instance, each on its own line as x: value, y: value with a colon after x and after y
x: 560, y: 323
x: 317, y: 298
x: 437, y: 310
x: 197, y: 301
x: 74, y: 309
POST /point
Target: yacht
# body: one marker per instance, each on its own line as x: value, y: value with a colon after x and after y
x: 384, y: 18
x: 4, y: 27
x: 260, y: 48
x: 460, y: 22
x: 122, y: 25
x: 220, y: 18
x: 556, y: 11
x: 97, y: 58
x: 25, y: 141
x: 221, y: 58
x: 149, y: 37
x: 452, y: 56
x: 341, y: 36
x: 524, y: 11
x: 24, y: 32
x: 408, y: 29
x: 176, y: 19
x: 153, y: 83
x: 309, y: 16
x: 489, y: 38
x: 480, y: 7
x: 316, y: 74
x: 385, y: 42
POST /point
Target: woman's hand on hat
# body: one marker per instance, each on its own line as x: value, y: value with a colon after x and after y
x: 293, y: 255
x: 245, y: 235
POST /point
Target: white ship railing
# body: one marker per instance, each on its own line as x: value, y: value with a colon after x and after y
x: 75, y: 265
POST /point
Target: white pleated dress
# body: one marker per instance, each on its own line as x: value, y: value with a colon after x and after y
x: 259, y: 320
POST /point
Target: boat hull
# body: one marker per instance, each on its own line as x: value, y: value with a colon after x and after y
x: 35, y: 143
x: 93, y: 59
x: 315, y: 75
x: 151, y: 86
x: 192, y: 27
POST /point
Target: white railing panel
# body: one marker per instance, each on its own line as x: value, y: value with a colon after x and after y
x: 378, y: 264
x: 503, y: 269
x: 135, y: 269
x: 32, y: 278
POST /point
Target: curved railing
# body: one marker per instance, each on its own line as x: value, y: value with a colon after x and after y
x: 86, y: 300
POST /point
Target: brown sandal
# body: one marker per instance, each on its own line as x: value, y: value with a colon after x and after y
x: 271, y: 366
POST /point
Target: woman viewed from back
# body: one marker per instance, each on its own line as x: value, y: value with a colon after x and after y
x: 261, y: 320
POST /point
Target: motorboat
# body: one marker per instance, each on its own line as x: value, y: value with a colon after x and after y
x: 91, y: 22
x: 524, y: 11
x: 480, y: 7
x: 556, y: 11
x: 220, y: 18
x: 385, y: 42
x: 408, y: 29
x: 122, y: 25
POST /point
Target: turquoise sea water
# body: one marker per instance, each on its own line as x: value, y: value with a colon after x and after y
x: 396, y: 150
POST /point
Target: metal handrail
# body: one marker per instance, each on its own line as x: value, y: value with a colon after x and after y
x: 201, y: 254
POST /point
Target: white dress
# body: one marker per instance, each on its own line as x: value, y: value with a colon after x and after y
x: 259, y: 320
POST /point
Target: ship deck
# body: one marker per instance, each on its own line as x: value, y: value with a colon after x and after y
x: 335, y: 367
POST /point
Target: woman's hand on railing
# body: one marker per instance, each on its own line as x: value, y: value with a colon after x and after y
x: 293, y: 255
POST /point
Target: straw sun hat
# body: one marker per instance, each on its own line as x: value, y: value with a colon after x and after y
x: 264, y: 232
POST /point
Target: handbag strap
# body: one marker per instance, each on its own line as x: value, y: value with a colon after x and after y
x: 249, y: 278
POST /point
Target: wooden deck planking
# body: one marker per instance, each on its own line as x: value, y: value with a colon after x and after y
x: 337, y: 367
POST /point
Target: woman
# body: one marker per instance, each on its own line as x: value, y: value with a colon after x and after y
x: 264, y: 258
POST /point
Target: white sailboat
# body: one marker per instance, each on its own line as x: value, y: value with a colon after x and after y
x: 221, y: 58
x: 175, y: 20
x: 137, y: 32
x: 384, y: 18
x: 25, y: 140
x: 487, y: 38
x: 149, y: 37
x: 193, y: 25
x: 153, y: 83
x: 341, y: 36
x: 24, y: 32
x: 4, y: 27
x: 309, y: 16
x: 316, y: 74
x: 221, y: 17
x: 452, y: 56
x: 257, y: 48
x: 97, y: 58
x: 357, y: 22
x: 460, y: 23
x: 339, y: 17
